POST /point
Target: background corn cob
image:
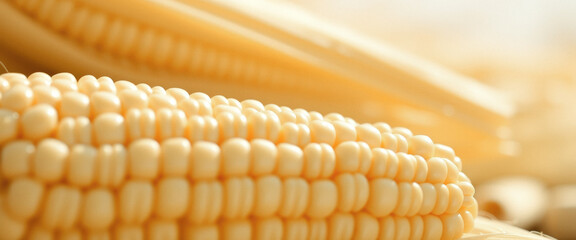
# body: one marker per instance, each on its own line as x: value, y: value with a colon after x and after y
x: 271, y: 49
x: 104, y: 159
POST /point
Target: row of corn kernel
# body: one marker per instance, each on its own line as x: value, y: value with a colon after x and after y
x: 121, y: 96
x: 338, y: 226
x: 51, y: 160
x: 60, y: 206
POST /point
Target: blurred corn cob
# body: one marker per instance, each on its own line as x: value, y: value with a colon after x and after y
x: 269, y: 50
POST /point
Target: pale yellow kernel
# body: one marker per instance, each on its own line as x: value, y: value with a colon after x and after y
x: 468, y: 220
x: 129, y: 231
x: 65, y: 85
x: 109, y: 128
x: 312, y: 155
x: 416, y: 227
x: 61, y: 208
x: 289, y: 133
x: 353, y: 190
x: 389, y: 141
x: 144, y: 159
x: 132, y: 98
x: 290, y: 160
x: 458, y: 163
x: 437, y: 170
x: 421, y: 145
x: 341, y: 226
x: 104, y: 102
x: 404, y: 199
x: 402, y: 227
x: 50, y: 160
x: 322, y: 132
x: 145, y: 88
x: 16, y: 159
x: 206, y: 200
x: 239, y: 197
x: 382, y: 127
x: 267, y: 196
x: 81, y: 165
x: 421, y: 169
x: 318, y: 229
x: 106, y: 84
x: 162, y: 230
x: 65, y: 131
x: 157, y: 101
x: 47, y: 95
x: 442, y: 199
x: 402, y: 143
x: 429, y: 197
x: 268, y: 229
x: 71, y: 234
x: 263, y: 157
x: 286, y: 115
x: 416, y: 201
x: 232, y: 125
x: 366, y: 227
x: 172, y: 198
x: 175, y: 153
x: 302, y: 116
x: 18, y: 98
x: 295, y: 229
x: 39, y: 78
x: 387, y: 226
x: 98, y: 235
x: 122, y: 85
x: 344, y: 132
x: 64, y: 76
x: 15, y: 78
x: 294, y: 198
x: 328, y: 161
x: 235, y: 229
x: 178, y: 93
x: 39, y: 122
x: 23, y: 198
x: 443, y: 151
x: 74, y: 104
x: 365, y: 158
x: 456, y: 198
x: 202, y: 129
x: 170, y: 123
x: 39, y: 232
x: 383, y: 197
x: 140, y: 123
x: 323, y: 199
x: 88, y: 84
x: 111, y: 165
x: 453, y: 172
x: 10, y: 227
x: 254, y: 104
x: 135, y: 202
x: 235, y: 157
x: 204, y: 161
x: 432, y: 227
x: 405, y: 132
x: 406, y: 167
x: 453, y: 226
x: 98, y: 209
x: 369, y: 134
x: 467, y: 188
x: 347, y: 157
x: 379, y: 163
x: 208, y: 232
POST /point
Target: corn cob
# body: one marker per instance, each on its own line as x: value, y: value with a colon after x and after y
x: 95, y: 158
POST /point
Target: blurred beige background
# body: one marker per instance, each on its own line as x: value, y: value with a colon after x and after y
x: 525, y: 49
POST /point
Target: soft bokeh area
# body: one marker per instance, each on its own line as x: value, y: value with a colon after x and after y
x: 524, y: 49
